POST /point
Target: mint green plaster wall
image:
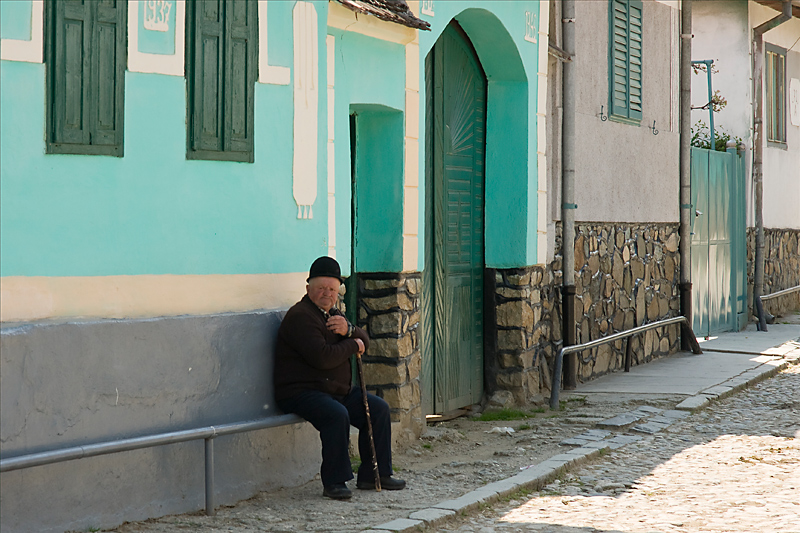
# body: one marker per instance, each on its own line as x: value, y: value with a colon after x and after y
x: 15, y: 20
x: 152, y: 211
x: 369, y: 75
x: 378, y: 244
x: 497, y: 30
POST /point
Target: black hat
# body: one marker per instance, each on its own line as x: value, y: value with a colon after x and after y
x: 325, y: 267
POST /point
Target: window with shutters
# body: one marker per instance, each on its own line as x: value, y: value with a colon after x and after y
x: 775, y: 84
x: 85, y: 56
x: 625, y: 60
x: 221, y: 59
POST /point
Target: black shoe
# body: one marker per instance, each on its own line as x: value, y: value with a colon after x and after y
x: 387, y: 482
x: 338, y: 491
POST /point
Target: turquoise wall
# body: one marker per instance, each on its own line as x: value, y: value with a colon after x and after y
x: 497, y: 30
x: 378, y: 245
x: 369, y: 78
x: 152, y: 211
x: 15, y: 20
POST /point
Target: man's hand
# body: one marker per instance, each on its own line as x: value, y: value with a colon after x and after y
x: 360, y: 346
x: 337, y: 324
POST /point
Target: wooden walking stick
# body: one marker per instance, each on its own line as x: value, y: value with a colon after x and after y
x: 369, y: 422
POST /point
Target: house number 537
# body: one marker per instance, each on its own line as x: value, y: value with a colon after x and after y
x: 156, y: 15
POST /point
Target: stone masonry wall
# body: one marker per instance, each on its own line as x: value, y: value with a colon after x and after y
x: 389, y: 310
x: 625, y: 275
x: 781, y: 268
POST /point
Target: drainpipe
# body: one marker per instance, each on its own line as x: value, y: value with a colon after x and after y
x: 686, y: 168
x: 758, y: 154
x: 568, y: 205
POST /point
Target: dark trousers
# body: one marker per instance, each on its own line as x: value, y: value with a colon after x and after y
x: 332, y: 417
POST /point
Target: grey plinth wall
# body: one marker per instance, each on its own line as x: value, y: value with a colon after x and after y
x: 77, y: 383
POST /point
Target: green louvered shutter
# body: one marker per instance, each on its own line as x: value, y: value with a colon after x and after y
x: 69, y: 70
x: 209, y: 50
x: 240, y: 74
x: 86, y: 76
x: 221, y: 69
x: 625, y: 60
x: 108, y: 73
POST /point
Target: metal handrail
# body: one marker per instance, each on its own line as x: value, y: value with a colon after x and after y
x: 556, y: 382
x: 780, y: 293
x: 762, y: 325
x: 208, y: 433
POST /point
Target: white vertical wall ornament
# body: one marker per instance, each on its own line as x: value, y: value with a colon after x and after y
x: 156, y: 63
x: 427, y: 7
x: 411, y: 160
x: 306, y: 106
x: 674, y: 71
x: 268, y: 73
x: 543, y: 254
x: 32, y: 50
x: 330, y: 49
x: 794, y: 101
x: 531, y: 26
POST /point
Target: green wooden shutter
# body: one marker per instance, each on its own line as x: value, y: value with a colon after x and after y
x: 69, y: 68
x: 208, y: 73
x: 625, y: 59
x: 108, y: 73
x: 86, y: 76
x: 240, y: 73
x: 221, y: 69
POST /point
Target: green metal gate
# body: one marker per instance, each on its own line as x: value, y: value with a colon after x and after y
x: 457, y: 107
x: 718, y: 242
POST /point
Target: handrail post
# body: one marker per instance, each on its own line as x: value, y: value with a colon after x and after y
x: 555, y: 385
x: 209, y: 452
x: 628, y: 354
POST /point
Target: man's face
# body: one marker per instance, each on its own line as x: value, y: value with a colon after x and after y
x: 323, y: 291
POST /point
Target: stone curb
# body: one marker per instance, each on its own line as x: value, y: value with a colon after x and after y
x: 737, y: 383
x: 534, y: 477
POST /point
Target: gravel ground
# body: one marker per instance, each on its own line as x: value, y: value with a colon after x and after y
x: 450, y: 459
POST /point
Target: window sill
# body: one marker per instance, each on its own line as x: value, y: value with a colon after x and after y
x: 84, y: 149
x: 211, y: 155
x: 625, y: 120
x: 778, y: 145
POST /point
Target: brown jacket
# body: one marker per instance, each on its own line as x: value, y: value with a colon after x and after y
x: 309, y: 356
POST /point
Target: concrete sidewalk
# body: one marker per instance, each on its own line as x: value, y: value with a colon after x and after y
x: 729, y: 362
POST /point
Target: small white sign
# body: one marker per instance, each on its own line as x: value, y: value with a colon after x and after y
x: 794, y: 101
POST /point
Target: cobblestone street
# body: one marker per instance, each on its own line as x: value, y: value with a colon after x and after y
x: 733, y: 467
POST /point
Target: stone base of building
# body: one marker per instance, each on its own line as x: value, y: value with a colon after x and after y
x: 389, y: 310
x: 626, y: 275
x: 781, y: 268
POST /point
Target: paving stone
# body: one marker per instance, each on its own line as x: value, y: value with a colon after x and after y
x: 625, y: 419
x: 401, y: 524
x: 649, y: 409
x: 673, y: 413
x: 649, y: 427
x: 431, y: 514
x: 574, y: 441
x: 716, y: 391
x: 693, y: 402
x: 467, y: 501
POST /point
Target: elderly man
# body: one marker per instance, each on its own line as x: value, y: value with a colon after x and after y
x: 313, y: 380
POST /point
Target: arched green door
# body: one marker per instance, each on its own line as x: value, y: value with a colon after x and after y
x: 457, y: 103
